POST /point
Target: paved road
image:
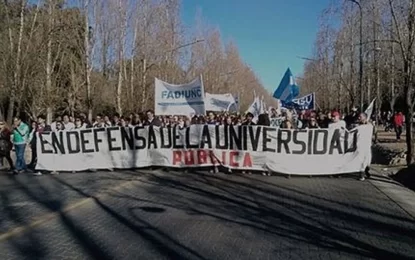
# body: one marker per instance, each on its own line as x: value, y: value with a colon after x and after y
x: 158, y: 215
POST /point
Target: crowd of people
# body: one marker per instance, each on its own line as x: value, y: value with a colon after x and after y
x: 21, y: 134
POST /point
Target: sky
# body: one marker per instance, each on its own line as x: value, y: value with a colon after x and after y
x: 270, y: 34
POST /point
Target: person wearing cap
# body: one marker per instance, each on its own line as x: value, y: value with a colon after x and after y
x: 336, y: 121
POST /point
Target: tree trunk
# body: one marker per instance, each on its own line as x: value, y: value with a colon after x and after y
x: 408, y: 110
x: 409, y: 136
x: 143, y: 84
x: 87, y: 63
x: 16, y: 74
x: 49, y: 111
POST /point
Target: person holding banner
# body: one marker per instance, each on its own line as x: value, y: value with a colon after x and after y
x: 312, y: 124
x: 363, y: 120
x: 248, y: 119
x: 151, y: 120
x: 337, y: 123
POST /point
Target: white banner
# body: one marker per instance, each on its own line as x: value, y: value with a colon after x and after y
x: 303, y: 152
x: 187, y: 99
x: 221, y: 102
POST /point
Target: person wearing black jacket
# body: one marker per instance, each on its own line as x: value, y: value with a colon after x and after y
x: 5, y: 144
x: 40, y: 128
x: 248, y: 121
x: 151, y: 120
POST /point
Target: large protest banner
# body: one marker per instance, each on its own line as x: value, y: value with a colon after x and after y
x: 314, y: 151
x: 221, y: 102
x: 187, y: 99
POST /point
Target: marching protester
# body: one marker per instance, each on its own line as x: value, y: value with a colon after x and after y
x: 263, y: 119
x: 336, y: 121
x: 68, y: 124
x: 398, y: 120
x: 6, y: 146
x: 312, y: 124
x: 79, y: 123
x: 53, y: 125
x: 107, y: 121
x: 363, y: 120
x: 248, y: 119
x: 352, y: 119
x: 20, y: 135
x: 39, y: 128
x: 151, y: 120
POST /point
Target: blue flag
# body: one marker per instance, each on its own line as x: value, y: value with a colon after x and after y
x: 287, y: 90
x: 304, y: 103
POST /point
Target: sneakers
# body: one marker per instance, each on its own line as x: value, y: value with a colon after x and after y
x: 362, y: 178
x: 54, y: 173
x: 37, y: 174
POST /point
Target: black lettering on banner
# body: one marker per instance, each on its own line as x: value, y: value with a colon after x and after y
x: 141, y: 140
x: 244, y: 137
x: 298, y: 141
x: 71, y: 149
x: 282, y: 141
x: 189, y: 145
x: 266, y: 139
x: 112, y: 139
x: 162, y: 138
x: 254, y: 137
x: 97, y: 140
x: 225, y: 138
x: 206, y: 138
x: 235, y: 138
x: 335, y: 142
x: 353, y: 148
x: 176, y: 138
x: 317, y: 133
x: 43, y: 142
x: 58, y: 144
x: 310, y: 141
x: 152, y: 141
x: 127, y: 137
x: 85, y: 141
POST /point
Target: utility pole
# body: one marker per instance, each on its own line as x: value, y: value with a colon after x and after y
x: 360, y: 53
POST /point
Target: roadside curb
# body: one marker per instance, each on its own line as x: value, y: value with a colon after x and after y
x: 395, y: 191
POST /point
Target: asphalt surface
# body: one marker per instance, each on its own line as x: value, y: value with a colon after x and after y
x: 175, y: 215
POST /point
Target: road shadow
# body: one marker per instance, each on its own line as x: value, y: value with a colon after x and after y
x: 280, y: 212
x: 406, y: 177
x: 276, y: 210
x: 161, y: 242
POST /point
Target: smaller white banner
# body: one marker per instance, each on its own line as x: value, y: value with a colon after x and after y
x: 186, y: 99
x: 221, y: 102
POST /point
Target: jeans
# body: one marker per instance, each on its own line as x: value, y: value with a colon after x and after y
x: 398, y: 130
x: 20, y: 160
